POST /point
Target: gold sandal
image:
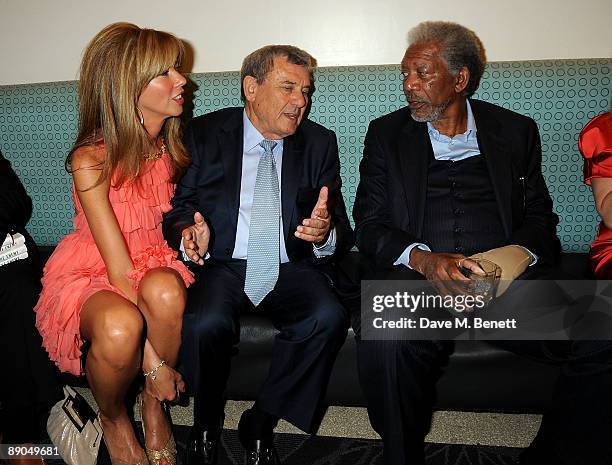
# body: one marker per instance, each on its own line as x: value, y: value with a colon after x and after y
x: 165, y: 456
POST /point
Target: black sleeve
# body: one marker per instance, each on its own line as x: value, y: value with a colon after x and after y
x: 538, y: 225
x: 185, y: 200
x: 376, y: 235
x: 331, y: 178
x: 15, y: 204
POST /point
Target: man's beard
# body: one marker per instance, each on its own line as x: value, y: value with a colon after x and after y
x: 433, y: 113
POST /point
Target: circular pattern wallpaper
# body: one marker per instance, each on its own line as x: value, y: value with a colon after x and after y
x: 38, y: 124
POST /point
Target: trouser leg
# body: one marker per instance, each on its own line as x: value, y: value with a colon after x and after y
x: 210, y: 331
x: 313, y: 326
x: 398, y: 379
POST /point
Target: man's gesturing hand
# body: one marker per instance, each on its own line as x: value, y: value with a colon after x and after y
x: 195, y: 239
x: 315, y: 228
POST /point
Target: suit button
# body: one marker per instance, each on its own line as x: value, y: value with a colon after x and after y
x: 227, y: 251
x: 457, y: 229
x: 458, y: 249
x: 458, y: 211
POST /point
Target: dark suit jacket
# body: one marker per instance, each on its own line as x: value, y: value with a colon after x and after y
x: 15, y: 204
x: 15, y: 207
x: 390, y: 202
x: 211, y: 184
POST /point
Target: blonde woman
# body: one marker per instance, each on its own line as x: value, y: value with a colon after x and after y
x: 114, y: 282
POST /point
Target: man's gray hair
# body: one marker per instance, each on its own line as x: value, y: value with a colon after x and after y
x: 459, y: 45
x: 261, y: 61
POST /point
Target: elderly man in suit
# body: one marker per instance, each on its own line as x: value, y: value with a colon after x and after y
x: 260, y: 210
x: 447, y: 177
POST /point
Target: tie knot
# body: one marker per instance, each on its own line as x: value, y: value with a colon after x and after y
x: 268, y: 145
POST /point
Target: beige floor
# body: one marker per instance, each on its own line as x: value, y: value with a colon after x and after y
x: 447, y: 427
x: 492, y: 429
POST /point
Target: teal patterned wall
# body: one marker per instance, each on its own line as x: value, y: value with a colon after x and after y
x: 38, y: 126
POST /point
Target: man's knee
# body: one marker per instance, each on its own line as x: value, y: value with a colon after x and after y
x: 374, y: 356
x: 396, y: 355
x: 331, y: 319
x: 214, y: 328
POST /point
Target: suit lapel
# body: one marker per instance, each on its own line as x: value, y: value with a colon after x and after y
x: 414, y: 150
x: 290, y: 176
x: 495, y: 149
x: 231, y: 143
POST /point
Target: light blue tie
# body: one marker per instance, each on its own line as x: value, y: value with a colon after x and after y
x: 264, y: 229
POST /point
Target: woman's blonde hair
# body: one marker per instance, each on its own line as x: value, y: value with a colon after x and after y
x: 117, y: 65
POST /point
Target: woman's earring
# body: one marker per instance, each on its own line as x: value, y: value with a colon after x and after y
x: 140, y: 115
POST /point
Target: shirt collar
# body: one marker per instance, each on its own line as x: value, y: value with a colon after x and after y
x: 252, y: 137
x: 470, y: 133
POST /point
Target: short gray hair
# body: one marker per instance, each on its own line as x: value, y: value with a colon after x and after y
x: 459, y: 45
x: 261, y: 61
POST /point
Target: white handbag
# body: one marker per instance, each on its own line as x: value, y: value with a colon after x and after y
x: 75, y: 429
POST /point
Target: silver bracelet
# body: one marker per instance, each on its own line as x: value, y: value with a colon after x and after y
x: 153, y: 372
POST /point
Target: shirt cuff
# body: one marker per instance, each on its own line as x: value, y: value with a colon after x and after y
x: 328, y: 248
x: 404, y: 258
x: 534, y: 257
x: 185, y: 256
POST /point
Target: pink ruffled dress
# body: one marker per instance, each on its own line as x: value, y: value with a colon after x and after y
x: 595, y: 144
x: 75, y: 271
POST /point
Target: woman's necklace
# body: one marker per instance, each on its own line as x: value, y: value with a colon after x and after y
x: 157, y: 155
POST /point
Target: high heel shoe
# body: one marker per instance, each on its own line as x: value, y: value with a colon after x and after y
x: 167, y: 455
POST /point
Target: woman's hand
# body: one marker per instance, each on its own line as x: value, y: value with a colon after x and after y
x: 602, y: 192
x: 167, y: 385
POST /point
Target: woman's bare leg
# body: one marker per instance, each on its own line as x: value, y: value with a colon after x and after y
x: 114, y: 326
x: 161, y: 299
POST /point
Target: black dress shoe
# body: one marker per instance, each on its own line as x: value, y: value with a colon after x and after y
x: 255, y: 431
x: 259, y: 452
x: 202, y: 448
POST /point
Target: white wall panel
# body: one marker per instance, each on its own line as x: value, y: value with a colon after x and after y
x: 42, y: 40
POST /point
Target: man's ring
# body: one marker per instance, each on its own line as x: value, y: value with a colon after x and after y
x: 460, y: 263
